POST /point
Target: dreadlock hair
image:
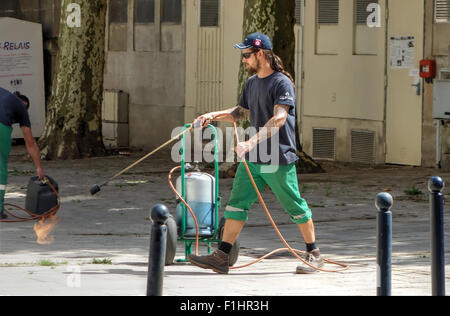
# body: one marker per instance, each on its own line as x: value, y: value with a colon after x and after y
x: 276, y: 63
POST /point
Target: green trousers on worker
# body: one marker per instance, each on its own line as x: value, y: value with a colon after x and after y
x: 5, y: 148
x: 284, y: 184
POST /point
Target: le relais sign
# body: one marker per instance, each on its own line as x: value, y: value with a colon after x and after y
x: 22, y: 67
x: 15, y: 46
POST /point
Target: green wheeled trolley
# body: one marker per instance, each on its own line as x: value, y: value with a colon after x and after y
x: 201, y: 191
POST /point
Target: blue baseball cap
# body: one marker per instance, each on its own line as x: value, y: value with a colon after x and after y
x: 257, y: 40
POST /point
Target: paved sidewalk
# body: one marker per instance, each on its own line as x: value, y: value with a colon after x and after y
x: 113, y: 228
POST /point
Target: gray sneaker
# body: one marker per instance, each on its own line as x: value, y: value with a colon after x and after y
x: 218, y: 261
x: 314, y: 259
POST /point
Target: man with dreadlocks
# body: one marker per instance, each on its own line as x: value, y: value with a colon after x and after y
x: 268, y: 99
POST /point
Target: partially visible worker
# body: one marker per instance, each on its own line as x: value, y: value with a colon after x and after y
x: 14, y: 109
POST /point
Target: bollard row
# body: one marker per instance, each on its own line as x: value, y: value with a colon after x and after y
x: 384, y: 202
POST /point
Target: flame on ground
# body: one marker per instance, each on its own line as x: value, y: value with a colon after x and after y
x: 43, y: 228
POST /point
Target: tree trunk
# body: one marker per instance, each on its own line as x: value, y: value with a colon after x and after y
x: 73, y: 127
x: 276, y: 19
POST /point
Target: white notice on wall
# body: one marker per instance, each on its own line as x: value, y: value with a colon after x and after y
x: 22, y: 69
x: 402, y: 52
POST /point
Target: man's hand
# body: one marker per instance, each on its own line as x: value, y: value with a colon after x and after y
x: 203, y: 120
x: 244, y: 147
x: 233, y: 114
x: 40, y: 173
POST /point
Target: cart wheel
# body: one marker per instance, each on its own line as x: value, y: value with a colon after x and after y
x: 234, y: 254
x: 171, y: 244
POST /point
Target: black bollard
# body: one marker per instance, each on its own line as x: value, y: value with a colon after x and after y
x: 157, y: 255
x: 435, y: 186
x: 383, y: 203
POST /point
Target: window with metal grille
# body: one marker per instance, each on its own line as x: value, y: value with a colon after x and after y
x: 171, y: 11
x: 361, y: 13
x: 118, y: 10
x: 209, y: 12
x: 328, y: 12
x: 298, y: 11
x: 144, y: 11
x: 442, y: 11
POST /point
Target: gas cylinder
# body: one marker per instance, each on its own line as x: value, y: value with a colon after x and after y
x: 40, y: 197
x: 200, y: 195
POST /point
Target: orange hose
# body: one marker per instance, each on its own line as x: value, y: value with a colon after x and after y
x: 293, y: 251
x: 288, y: 247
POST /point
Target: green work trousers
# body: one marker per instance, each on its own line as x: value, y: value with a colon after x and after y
x: 283, y: 183
x: 5, y: 148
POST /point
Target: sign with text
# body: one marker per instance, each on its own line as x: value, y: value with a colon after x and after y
x: 22, y: 68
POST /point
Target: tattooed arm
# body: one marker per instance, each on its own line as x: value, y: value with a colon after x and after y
x: 270, y: 128
x: 234, y: 114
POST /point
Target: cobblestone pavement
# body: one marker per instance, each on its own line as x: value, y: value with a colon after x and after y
x: 101, y: 243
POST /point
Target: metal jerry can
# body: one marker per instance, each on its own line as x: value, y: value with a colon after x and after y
x: 200, y: 195
x: 40, y: 197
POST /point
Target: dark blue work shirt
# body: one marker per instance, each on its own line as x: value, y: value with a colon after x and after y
x: 260, y: 95
x: 12, y: 110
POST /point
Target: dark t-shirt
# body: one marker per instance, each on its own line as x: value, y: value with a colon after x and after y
x: 12, y: 110
x: 260, y: 95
